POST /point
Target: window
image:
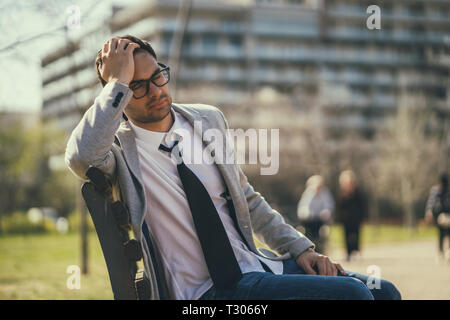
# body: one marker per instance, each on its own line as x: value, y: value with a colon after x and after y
x: 187, y: 44
x: 209, y: 44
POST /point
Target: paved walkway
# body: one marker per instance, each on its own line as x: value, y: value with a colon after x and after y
x: 412, y: 266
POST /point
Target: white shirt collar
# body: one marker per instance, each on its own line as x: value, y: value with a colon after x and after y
x: 154, y: 138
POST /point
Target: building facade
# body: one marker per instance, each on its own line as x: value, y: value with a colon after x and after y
x: 322, y: 50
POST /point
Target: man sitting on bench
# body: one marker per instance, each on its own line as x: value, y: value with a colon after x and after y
x: 198, y: 220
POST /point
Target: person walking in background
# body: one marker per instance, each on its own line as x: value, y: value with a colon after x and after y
x: 315, y: 210
x: 438, y: 211
x: 351, y: 210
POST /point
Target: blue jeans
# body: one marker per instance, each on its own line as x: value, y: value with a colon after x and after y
x: 294, y: 284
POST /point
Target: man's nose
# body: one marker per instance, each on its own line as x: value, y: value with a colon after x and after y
x: 154, y: 91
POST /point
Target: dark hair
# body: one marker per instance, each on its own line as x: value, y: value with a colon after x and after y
x: 144, y: 46
x: 444, y: 181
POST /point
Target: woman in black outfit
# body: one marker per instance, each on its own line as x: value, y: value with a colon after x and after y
x: 351, y: 210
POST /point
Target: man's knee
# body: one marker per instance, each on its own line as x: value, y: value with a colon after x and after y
x: 387, y: 291
x: 355, y: 289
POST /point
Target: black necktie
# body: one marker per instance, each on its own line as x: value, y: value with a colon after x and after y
x: 220, y: 259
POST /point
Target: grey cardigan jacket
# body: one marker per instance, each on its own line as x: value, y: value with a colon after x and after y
x: 92, y: 142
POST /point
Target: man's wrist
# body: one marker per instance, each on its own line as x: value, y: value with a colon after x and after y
x: 310, y: 249
x: 122, y: 82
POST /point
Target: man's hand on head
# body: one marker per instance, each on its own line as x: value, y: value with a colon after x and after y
x: 117, y: 62
x: 309, y: 259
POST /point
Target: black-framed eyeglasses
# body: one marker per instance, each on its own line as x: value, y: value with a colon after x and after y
x: 160, y: 78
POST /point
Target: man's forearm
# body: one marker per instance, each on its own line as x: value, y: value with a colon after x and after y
x: 91, y: 140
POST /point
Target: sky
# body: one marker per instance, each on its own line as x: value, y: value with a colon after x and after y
x: 29, y: 29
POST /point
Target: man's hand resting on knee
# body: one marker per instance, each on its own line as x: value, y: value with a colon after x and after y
x: 310, y: 259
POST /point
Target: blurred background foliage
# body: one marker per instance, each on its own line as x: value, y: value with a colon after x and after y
x: 30, y: 176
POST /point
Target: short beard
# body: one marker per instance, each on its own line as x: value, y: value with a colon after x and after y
x: 152, y: 116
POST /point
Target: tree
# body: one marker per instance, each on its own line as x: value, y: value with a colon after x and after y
x: 408, y: 155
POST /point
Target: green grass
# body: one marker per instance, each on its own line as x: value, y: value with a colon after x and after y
x: 34, y: 266
x: 372, y: 234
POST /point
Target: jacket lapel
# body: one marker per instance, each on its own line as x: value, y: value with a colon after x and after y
x: 126, y: 137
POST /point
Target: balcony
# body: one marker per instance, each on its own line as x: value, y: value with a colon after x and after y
x: 198, y: 27
x: 404, y: 16
x: 389, y: 37
x: 212, y: 74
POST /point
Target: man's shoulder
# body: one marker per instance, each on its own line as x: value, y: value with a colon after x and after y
x: 202, y: 109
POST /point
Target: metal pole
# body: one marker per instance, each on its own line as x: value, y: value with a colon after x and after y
x: 177, y: 41
x: 81, y: 207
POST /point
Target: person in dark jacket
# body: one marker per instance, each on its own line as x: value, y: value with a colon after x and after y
x: 351, y: 210
x: 438, y: 211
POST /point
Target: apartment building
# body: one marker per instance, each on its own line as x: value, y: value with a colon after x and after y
x: 322, y: 50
